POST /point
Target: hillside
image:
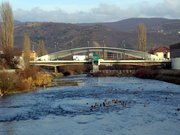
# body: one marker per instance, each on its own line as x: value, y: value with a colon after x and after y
x: 66, y: 34
x: 131, y: 23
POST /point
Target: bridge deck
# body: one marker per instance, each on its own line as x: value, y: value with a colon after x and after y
x: 102, y: 62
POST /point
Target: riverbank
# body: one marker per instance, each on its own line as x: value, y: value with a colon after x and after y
x: 172, y: 76
x: 15, y: 83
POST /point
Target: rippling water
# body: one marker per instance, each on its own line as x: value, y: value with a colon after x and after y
x: 66, y: 110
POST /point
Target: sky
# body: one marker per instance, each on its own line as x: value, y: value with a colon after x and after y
x: 89, y: 11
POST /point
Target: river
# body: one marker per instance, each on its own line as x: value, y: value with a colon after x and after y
x: 144, y: 107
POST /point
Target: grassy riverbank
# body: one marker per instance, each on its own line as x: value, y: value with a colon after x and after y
x: 28, y: 80
x: 23, y: 80
x: 31, y: 78
x: 172, y: 76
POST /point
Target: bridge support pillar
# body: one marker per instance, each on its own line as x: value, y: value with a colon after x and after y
x: 95, y: 63
x: 55, y: 69
x: 95, y: 68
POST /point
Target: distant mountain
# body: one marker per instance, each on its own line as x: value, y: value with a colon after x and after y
x: 16, y: 22
x: 130, y: 23
x: 67, y: 34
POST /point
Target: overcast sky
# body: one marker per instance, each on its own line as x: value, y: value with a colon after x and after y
x: 84, y: 11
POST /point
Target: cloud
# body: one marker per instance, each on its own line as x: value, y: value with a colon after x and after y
x: 103, y: 13
x: 114, y: 12
x: 169, y: 9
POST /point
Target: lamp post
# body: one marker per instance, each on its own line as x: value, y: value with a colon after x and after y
x: 55, y: 47
x: 72, y: 46
x: 103, y: 49
x: 123, y: 42
x: 56, y: 44
x: 33, y: 53
x: 88, y: 49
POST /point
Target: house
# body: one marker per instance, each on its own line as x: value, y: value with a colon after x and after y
x: 162, y: 52
x: 33, y: 55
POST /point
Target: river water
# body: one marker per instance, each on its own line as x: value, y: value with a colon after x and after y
x: 145, y: 107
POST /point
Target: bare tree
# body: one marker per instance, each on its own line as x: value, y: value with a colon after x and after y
x: 41, y: 50
x: 105, y: 53
x: 142, y: 38
x: 26, y: 49
x: 6, y: 33
x: 95, y: 44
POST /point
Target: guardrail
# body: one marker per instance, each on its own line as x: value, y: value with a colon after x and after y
x: 114, y: 71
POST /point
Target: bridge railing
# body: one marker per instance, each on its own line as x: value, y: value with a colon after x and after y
x: 115, y: 71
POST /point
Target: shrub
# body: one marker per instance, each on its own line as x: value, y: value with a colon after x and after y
x: 22, y: 80
x: 146, y: 73
x: 30, y: 71
x: 11, y: 82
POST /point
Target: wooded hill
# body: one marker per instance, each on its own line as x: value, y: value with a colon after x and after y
x: 160, y: 32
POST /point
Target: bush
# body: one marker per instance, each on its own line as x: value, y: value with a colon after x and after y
x: 11, y: 82
x: 146, y: 73
x: 30, y: 71
x: 22, y: 80
x: 74, y: 69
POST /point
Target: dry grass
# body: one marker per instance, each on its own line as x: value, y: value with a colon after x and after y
x: 21, y: 81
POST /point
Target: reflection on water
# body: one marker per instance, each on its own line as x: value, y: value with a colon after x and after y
x: 136, y: 106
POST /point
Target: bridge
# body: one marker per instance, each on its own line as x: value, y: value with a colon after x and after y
x: 64, y: 53
x: 146, y: 58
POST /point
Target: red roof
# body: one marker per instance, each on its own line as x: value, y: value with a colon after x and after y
x: 162, y: 49
x: 30, y: 51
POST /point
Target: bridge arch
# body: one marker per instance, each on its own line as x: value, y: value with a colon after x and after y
x: 129, y: 52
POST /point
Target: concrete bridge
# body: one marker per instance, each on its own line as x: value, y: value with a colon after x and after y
x: 64, y: 53
x: 146, y: 58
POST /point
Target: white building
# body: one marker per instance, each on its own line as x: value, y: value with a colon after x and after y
x: 162, y: 52
x: 79, y: 57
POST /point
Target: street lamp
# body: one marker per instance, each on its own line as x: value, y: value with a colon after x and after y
x: 56, y: 44
x: 72, y: 44
x: 88, y: 49
x: 33, y: 53
x: 103, y: 48
x: 123, y: 42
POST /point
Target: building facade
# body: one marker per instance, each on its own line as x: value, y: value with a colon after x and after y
x: 175, y: 50
x: 175, y: 56
x: 162, y: 52
x: 32, y: 55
